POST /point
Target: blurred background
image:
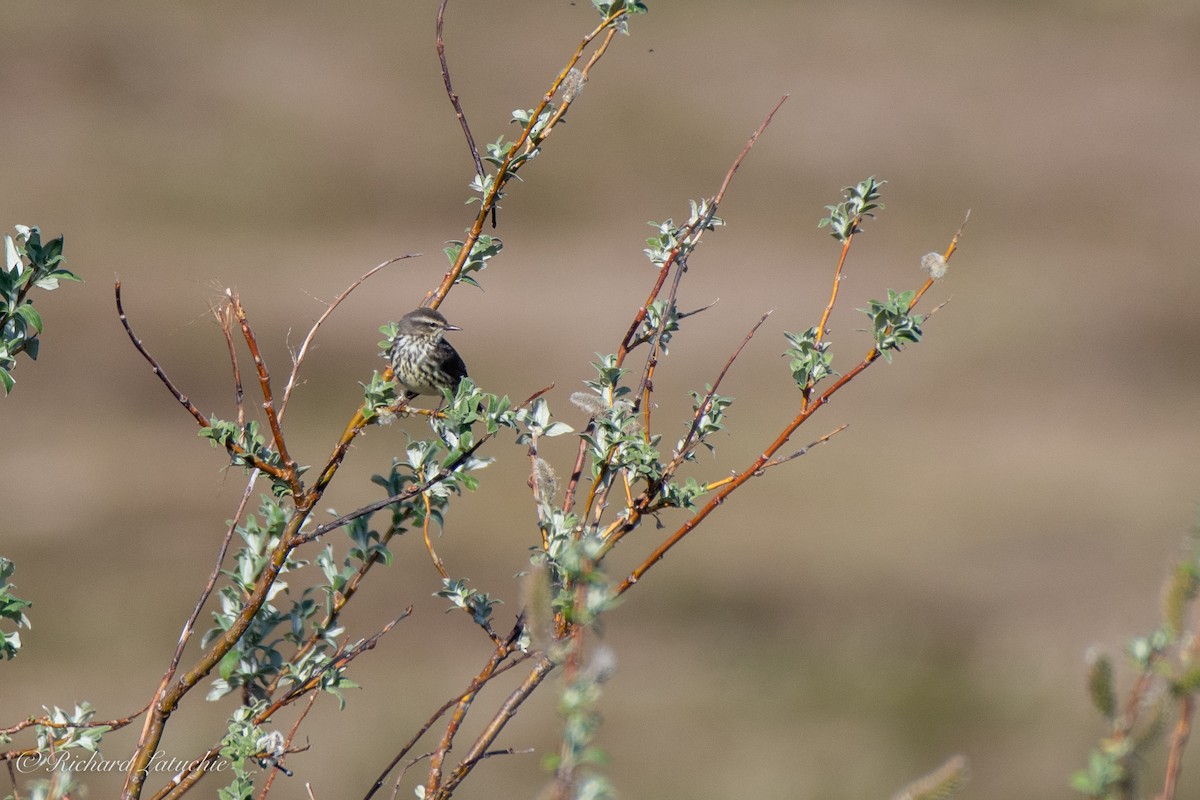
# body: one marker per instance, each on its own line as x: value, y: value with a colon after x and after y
x: 1010, y: 492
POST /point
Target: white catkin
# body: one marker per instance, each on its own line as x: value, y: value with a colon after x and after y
x: 934, y: 264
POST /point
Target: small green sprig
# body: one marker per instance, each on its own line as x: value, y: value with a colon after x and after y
x: 478, y: 604
x: 682, y: 240
x: 892, y: 323
x: 711, y: 418
x: 483, y: 250
x: 70, y: 729
x: 28, y: 263
x: 609, y: 8
x: 12, y: 608
x: 845, y: 219
x: 239, y: 748
x: 811, y: 361
x: 247, y: 448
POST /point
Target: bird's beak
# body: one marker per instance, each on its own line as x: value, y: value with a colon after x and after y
x: 453, y: 328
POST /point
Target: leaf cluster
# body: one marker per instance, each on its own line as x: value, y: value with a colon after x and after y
x: 861, y: 201
x: 12, y: 608
x: 28, y: 263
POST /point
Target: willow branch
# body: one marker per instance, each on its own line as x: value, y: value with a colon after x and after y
x: 411, y: 743
x: 458, y: 109
x: 1179, y: 740
x: 507, y: 169
x: 445, y: 472
x: 762, y: 462
x: 268, y: 404
x: 704, y: 405
x: 479, y: 749
x: 233, y: 448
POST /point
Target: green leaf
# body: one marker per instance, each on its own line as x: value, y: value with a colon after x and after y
x: 32, y: 318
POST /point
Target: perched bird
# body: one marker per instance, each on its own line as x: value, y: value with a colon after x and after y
x: 422, y: 360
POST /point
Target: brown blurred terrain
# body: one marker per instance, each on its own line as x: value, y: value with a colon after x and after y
x: 1010, y: 491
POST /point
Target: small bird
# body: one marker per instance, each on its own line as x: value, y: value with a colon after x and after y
x: 422, y: 360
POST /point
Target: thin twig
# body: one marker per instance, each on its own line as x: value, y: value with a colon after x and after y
x: 437, y: 562
x: 222, y: 314
x: 232, y: 447
x: 268, y: 404
x: 577, y: 470
x: 460, y: 713
x: 298, y: 358
x: 411, y: 743
x: 458, y: 109
x: 703, y: 407
x: 507, y: 168
x: 946, y: 256
x: 312, y: 698
x: 804, y: 450
x: 12, y: 776
x: 404, y: 770
x: 627, y: 342
x: 1179, y: 740
x: 158, y: 370
x: 540, y: 670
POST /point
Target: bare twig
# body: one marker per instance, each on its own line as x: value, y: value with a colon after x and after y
x: 1179, y: 740
x: 433, y: 783
x: 437, y: 562
x: 411, y: 743
x: 154, y: 365
x: 12, y: 777
x: 541, y: 669
x: 458, y: 109
x: 298, y: 358
x: 268, y: 404
x: 703, y: 407
x: 223, y: 314
x: 312, y: 698
x: 232, y: 447
x: 404, y: 770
